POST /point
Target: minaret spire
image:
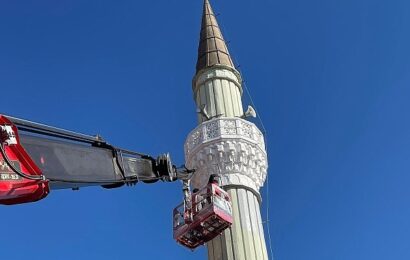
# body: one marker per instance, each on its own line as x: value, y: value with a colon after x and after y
x: 217, y: 85
x: 212, y: 48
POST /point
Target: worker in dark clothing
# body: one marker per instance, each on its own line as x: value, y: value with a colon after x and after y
x: 214, y: 178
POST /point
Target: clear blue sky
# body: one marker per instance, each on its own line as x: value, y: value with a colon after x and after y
x: 330, y: 79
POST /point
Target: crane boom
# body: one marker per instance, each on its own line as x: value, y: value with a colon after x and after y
x: 41, y: 157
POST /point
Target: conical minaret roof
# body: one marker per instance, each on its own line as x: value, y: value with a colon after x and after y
x: 212, y: 49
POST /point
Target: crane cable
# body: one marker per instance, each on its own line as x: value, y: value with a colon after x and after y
x: 267, y: 220
x: 263, y: 130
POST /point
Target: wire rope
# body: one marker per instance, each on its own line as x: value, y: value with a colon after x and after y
x: 263, y: 130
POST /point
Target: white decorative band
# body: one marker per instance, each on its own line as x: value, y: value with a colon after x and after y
x: 231, y: 147
x: 224, y: 128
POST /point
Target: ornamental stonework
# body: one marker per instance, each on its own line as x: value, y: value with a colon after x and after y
x: 231, y: 147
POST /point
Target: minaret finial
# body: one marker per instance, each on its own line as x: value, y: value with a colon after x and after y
x: 212, y: 49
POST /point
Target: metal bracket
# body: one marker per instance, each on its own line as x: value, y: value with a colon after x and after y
x: 184, y: 174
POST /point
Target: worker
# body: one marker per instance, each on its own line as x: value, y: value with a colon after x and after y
x: 214, y: 178
x: 197, y: 199
x: 187, y: 201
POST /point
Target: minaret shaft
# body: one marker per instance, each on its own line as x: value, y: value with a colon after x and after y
x: 245, y: 239
x: 218, y: 91
x: 226, y: 144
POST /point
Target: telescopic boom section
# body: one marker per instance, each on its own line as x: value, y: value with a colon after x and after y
x: 35, y: 158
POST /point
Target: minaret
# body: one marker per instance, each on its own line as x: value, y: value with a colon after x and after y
x: 225, y: 143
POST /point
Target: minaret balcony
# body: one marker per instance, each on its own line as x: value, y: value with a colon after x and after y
x: 234, y: 148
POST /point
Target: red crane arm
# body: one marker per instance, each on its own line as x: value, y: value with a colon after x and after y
x: 36, y: 158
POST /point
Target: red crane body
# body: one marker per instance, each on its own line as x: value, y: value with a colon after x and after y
x: 14, y: 189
